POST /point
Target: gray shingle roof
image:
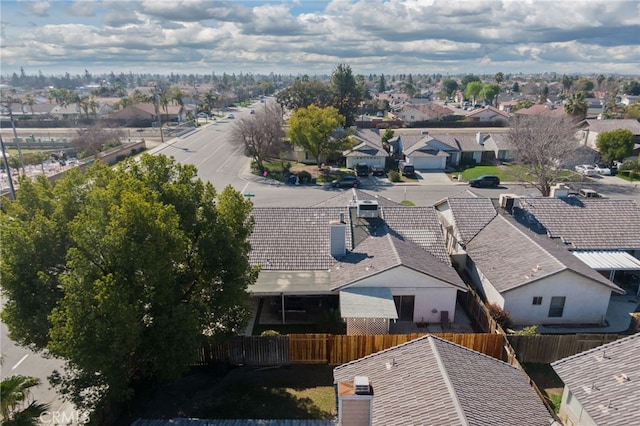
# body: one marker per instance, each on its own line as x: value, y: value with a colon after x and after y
x: 511, y: 256
x: 593, y: 378
x: 599, y: 126
x: 181, y: 421
x: 470, y: 214
x: 435, y: 382
x: 382, y: 253
x: 585, y: 224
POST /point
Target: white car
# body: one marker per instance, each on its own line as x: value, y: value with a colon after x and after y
x: 601, y: 169
x: 586, y: 170
x: 231, y: 116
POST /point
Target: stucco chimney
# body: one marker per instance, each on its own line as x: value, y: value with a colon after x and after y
x: 337, y: 237
x: 480, y: 138
x: 355, y: 402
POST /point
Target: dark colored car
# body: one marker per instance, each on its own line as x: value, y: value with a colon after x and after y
x: 362, y: 169
x: 407, y: 169
x: 377, y: 170
x: 346, y: 182
x: 485, y: 181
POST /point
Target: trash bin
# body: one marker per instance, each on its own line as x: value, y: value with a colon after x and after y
x: 460, y: 178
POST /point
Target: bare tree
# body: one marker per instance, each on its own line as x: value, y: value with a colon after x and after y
x: 544, y: 145
x: 94, y: 139
x: 261, y: 135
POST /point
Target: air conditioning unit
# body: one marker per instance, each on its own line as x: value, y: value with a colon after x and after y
x: 507, y: 201
x: 368, y: 209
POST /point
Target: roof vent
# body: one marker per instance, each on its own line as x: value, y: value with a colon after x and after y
x: 361, y: 385
x: 621, y: 378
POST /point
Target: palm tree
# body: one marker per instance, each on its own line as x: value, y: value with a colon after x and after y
x: 14, y: 406
x: 576, y: 105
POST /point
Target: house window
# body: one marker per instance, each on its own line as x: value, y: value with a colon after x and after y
x: 537, y: 300
x: 556, y: 308
x: 404, y: 307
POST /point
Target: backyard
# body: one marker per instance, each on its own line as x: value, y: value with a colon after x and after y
x: 292, y: 392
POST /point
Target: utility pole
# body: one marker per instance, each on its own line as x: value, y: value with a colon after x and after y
x: 6, y: 166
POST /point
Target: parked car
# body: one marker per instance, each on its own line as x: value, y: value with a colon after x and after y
x: 486, y: 181
x: 231, y: 116
x: 203, y: 115
x: 377, y: 170
x: 252, y: 111
x: 407, y: 169
x: 586, y: 170
x: 602, y: 169
x: 589, y: 193
x: 346, y: 182
x: 362, y: 169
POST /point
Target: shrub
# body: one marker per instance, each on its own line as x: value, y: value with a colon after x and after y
x: 269, y: 333
x: 531, y: 330
x: 394, y: 176
x: 499, y: 315
x: 305, y: 176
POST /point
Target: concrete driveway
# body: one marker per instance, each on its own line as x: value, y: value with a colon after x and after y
x: 433, y: 177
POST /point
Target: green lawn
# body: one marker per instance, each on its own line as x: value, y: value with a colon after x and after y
x: 547, y: 381
x: 512, y: 173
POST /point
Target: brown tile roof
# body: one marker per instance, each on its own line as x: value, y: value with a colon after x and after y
x: 584, y: 224
x: 511, y: 256
x: 594, y: 378
x: 430, y: 381
x: 419, y: 225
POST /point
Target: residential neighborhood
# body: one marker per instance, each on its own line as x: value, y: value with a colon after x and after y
x: 319, y: 213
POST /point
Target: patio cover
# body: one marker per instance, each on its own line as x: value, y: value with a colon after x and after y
x: 274, y: 283
x: 609, y: 260
x: 367, y: 302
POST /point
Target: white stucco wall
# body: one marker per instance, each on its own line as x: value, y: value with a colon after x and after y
x: 430, y: 293
x: 586, y: 300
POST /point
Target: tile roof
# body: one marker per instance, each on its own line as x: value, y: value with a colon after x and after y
x: 470, y: 214
x: 291, y: 238
x: 539, y: 109
x: 430, y: 381
x: 490, y: 109
x: 181, y: 421
x: 599, y: 126
x: 594, y: 379
x: 419, y: 225
x: 381, y: 253
x: 584, y: 224
x: 511, y: 256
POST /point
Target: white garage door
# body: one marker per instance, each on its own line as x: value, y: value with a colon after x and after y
x: 429, y: 163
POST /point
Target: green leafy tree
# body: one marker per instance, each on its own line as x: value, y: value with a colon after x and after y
x: 516, y: 87
x: 490, y: 92
x: 632, y: 111
x: 468, y: 79
x: 313, y: 129
x: 302, y: 93
x: 346, y: 93
x: 615, y: 145
x: 472, y: 90
x: 382, y: 84
x: 15, y: 408
x: 544, y: 147
x: 576, y: 106
x: 124, y: 272
x: 632, y: 88
x: 450, y: 86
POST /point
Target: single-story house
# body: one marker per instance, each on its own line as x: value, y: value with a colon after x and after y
x: 590, y: 130
x: 383, y: 261
x: 488, y: 114
x: 601, y: 385
x: 368, y: 149
x: 604, y: 233
x: 425, y: 152
x: 416, y: 113
x: 548, y: 109
x: 535, y: 279
x: 147, y: 111
x: 430, y: 381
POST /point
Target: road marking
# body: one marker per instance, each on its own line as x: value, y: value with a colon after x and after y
x: 19, y: 362
x: 245, y: 188
x: 223, y: 164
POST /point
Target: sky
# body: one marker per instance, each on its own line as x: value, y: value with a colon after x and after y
x: 447, y: 37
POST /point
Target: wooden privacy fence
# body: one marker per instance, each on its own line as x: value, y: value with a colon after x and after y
x: 547, y: 348
x: 328, y: 348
